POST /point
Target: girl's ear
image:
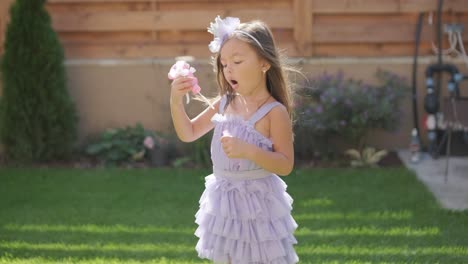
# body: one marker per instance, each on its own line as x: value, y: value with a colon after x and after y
x: 265, y: 66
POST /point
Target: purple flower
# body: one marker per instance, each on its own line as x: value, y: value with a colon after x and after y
x: 326, y: 77
x: 319, y: 109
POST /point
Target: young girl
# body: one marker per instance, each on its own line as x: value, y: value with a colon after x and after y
x: 245, y: 212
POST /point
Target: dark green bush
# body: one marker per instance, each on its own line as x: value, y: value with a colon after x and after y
x: 38, y: 118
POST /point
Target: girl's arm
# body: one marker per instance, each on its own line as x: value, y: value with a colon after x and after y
x: 188, y: 130
x: 279, y: 161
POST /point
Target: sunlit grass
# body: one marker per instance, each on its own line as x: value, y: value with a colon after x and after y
x: 98, y: 229
x: 376, y: 251
x: 108, y: 247
x: 370, y: 231
x: 41, y: 260
x: 378, y: 215
x: 397, y: 231
x: 147, y: 216
x: 316, y: 202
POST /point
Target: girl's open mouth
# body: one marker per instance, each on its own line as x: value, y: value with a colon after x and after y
x: 234, y: 84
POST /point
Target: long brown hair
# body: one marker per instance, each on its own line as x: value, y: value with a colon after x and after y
x: 276, y: 77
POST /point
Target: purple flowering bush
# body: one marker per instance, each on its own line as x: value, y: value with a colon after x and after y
x: 331, y: 105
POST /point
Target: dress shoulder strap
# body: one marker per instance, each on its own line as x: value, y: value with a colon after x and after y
x: 262, y: 111
x: 222, y: 104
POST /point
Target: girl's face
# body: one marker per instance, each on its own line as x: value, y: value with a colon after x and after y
x: 242, y: 67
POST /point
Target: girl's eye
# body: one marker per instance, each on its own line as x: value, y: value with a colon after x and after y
x: 224, y: 66
x: 238, y: 62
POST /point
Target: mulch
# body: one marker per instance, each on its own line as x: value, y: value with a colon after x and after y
x: 390, y: 160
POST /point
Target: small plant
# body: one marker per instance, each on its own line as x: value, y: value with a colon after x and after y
x: 129, y: 144
x: 201, y: 151
x: 368, y: 157
x: 157, y: 148
x: 197, y: 153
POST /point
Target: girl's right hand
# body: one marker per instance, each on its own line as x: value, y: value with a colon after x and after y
x: 179, y: 87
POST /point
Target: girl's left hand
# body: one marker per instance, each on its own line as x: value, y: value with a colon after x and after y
x: 234, y: 147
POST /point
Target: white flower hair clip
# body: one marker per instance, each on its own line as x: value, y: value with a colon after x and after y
x: 222, y: 29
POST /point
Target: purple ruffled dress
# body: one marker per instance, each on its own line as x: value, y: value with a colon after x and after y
x: 245, y: 211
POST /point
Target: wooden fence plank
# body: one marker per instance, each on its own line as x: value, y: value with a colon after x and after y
x: 355, y: 6
x: 146, y: 37
x: 167, y: 6
x: 4, y: 20
x: 431, y: 5
x: 99, y: 7
x: 2, y: 35
x: 225, y: 5
x: 385, y: 7
x: 129, y: 37
x: 134, y: 51
x: 147, y: 28
x: 326, y: 6
x: 181, y: 20
x: 149, y: 51
x: 201, y: 50
x: 177, y: 2
x: 114, y: 1
x: 361, y: 29
x: 303, y: 25
x: 319, y: 6
x: 5, y: 6
x: 366, y: 49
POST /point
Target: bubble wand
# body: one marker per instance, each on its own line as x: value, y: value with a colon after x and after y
x: 182, y: 68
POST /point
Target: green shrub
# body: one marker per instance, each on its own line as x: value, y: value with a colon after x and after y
x: 38, y: 118
x: 200, y: 153
x: 196, y: 154
x: 119, y: 145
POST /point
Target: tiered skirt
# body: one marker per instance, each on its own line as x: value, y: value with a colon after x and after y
x: 246, y: 221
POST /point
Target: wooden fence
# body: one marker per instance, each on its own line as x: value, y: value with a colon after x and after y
x: 304, y: 28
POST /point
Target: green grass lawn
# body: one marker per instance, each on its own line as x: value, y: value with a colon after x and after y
x: 147, y: 216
